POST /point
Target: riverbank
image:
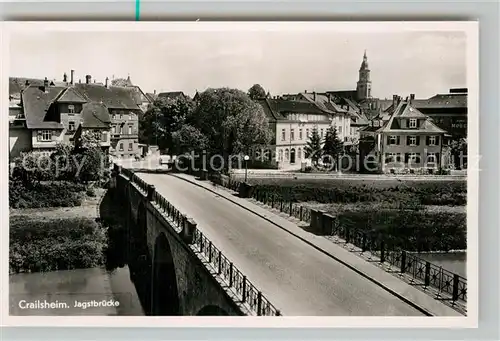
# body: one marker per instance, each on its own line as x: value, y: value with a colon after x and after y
x: 28, y: 292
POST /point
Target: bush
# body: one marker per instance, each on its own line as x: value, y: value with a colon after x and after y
x: 51, y: 194
x: 58, y: 244
x: 91, y: 192
x: 346, y: 191
x: 412, y: 230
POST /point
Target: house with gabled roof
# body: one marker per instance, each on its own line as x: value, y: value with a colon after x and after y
x: 292, y: 122
x: 402, y: 139
x: 53, y: 112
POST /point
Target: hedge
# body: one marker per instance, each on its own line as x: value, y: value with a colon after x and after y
x: 412, y: 230
x: 56, y: 244
x: 425, y: 193
x: 50, y: 194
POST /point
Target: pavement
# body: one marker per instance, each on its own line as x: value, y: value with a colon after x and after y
x: 300, y: 273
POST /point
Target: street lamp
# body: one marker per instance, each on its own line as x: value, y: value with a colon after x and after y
x: 246, y: 158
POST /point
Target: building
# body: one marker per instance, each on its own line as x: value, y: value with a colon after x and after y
x: 124, y: 107
x: 402, y: 139
x: 52, y: 112
x: 292, y: 123
x: 448, y: 111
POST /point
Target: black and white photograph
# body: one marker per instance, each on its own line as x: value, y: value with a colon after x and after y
x: 324, y: 170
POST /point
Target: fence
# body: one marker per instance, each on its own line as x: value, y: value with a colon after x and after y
x: 451, y: 285
x: 246, y: 292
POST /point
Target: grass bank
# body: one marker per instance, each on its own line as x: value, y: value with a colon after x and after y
x: 49, y: 244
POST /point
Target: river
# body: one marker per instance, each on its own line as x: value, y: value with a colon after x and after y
x: 64, y: 288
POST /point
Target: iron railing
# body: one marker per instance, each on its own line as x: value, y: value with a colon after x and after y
x: 246, y: 292
x: 451, y: 285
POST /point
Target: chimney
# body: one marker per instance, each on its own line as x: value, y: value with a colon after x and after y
x: 27, y: 83
x: 107, y: 82
x: 72, y: 77
x: 412, y: 98
x: 45, y: 86
x: 88, y: 79
x: 154, y: 92
x: 394, y: 100
x: 79, y: 81
x: 65, y: 78
x: 305, y: 91
x: 314, y: 96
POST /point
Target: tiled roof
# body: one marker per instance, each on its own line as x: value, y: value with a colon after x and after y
x: 283, y: 106
x: 114, y: 97
x: 456, y: 100
x: 95, y: 115
x: 70, y: 95
x: 352, y: 94
x: 151, y: 96
x: 171, y: 94
x: 36, y: 104
x: 407, y: 110
x: 271, y: 114
x: 323, y: 102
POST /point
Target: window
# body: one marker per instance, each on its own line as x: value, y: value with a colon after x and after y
x: 292, y: 134
x: 45, y: 135
x: 71, y: 125
x: 375, y: 123
x: 340, y: 129
x: 299, y: 153
x: 307, y: 132
x: 431, y: 157
x: 413, y: 158
x: 287, y: 154
x: 121, y: 129
x: 130, y: 146
x: 104, y: 136
x: 71, y: 109
x: 413, y: 122
x: 321, y: 133
x: 412, y: 140
x: 281, y: 155
x: 121, y: 146
x: 113, y: 129
x: 393, y: 157
x: 121, y: 115
x: 392, y: 140
x: 300, y: 134
x: 130, y: 130
x: 432, y: 140
x: 283, y: 134
x: 130, y: 117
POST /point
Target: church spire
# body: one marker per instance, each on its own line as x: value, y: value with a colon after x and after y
x: 364, y: 64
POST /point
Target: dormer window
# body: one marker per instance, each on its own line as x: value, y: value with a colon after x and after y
x: 71, y: 109
x: 413, y: 123
x: 375, y: 123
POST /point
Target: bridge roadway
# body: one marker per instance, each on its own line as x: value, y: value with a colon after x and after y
x: 295, y: 277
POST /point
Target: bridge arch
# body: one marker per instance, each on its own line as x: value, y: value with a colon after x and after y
x: 139, y: 256
x: 165, y: 294
x: 212, y: 310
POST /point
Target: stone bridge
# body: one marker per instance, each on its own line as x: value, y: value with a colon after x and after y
x: 181, y: 270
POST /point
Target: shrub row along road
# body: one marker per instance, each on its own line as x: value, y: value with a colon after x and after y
x: 295, y: 277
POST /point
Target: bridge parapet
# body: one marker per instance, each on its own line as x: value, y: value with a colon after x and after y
x: 239, y: 288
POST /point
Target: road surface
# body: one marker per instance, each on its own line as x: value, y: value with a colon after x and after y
x: 295, y: 277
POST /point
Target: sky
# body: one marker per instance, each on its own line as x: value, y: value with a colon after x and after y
x: 423, y: 63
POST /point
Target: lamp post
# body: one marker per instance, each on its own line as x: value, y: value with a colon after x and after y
x: 246, y: 158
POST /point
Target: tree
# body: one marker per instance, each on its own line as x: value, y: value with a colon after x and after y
x: 313, y: 148
x: 189, y: 139
x: 458, y: 151
x: 231, y: 122
x: 333, y: 147
x: 256, y: 92
x: 164, y: 117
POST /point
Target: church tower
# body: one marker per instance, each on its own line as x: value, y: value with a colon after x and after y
x: 364, y: 87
